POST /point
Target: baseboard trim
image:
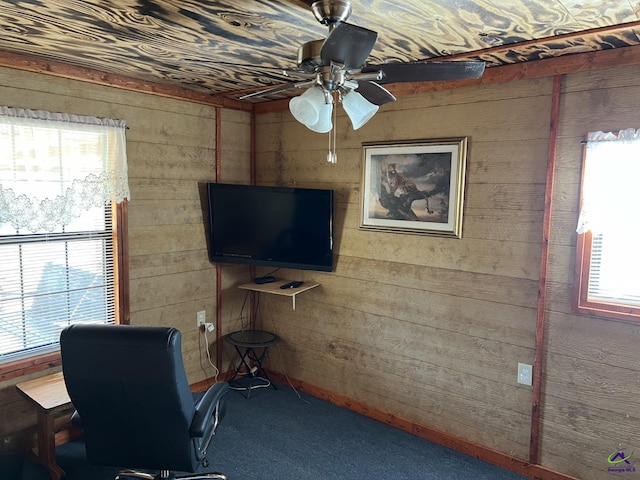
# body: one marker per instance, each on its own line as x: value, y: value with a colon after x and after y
x: 502, y: 460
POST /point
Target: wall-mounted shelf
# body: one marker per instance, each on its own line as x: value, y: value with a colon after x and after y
x: 274, y: 289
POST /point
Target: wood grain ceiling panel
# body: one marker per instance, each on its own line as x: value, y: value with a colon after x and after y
x: 601, y: 13
x: 228, y: 46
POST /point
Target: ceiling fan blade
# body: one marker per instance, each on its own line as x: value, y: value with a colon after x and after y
x: 348, y: 45
x: 276, y: 89
x: 426, y: 71
x: 374, y: 93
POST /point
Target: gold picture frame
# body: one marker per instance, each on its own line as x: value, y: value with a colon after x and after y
x: 414, y: 187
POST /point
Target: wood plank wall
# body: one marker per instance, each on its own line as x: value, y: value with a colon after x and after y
x: 428, y: 328
x: 431, y: 329
x: 171, y: 150
x: 591, y: 388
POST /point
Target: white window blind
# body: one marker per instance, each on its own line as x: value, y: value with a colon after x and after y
x: 613, y: 276
x: 58, y: 177
x: 51, y: 280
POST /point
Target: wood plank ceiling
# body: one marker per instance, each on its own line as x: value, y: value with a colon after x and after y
x: 234, y: 46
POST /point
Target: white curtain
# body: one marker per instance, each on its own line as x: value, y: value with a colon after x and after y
x: 55, y: 166
x: 610, y: 189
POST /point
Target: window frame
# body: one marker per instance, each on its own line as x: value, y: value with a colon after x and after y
x: 581, y: 303
x: 37, y: 363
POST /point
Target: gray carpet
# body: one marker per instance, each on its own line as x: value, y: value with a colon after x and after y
x: 276, y: 435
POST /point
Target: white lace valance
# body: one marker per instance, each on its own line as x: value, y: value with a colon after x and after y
x: 55, y: 166
x: 610, y: 194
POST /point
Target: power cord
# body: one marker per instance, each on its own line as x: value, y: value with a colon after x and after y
x: 206, y: 343
x: 246, y: 325
x: 243, y: 324
x: 271, y: 272
x: 253, y: 387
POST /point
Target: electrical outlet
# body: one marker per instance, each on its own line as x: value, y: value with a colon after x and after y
x: 201, y: 318
x: 525, y: 374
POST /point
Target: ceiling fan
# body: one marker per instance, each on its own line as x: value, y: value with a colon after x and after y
x: 336, y: 67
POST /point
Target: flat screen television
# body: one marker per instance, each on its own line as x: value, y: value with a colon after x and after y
x: 268, y: 226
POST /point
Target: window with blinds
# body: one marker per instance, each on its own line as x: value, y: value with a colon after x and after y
x: 607, y: 282
x: 51, y: 280
x: 60, y: 176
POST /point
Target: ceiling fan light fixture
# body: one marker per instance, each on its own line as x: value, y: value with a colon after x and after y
x: 359, y: 109
x: 306, y: 107
x: 324, y: 124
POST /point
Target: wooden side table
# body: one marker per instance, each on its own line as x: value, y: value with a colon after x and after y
x: 50, y: 397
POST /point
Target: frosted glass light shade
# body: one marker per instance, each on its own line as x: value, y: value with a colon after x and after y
x: 323, y: 125
x: 358, y: 108
x: 306, y: 108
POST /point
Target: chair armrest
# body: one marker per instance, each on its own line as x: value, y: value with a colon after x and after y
x: 205, y: 408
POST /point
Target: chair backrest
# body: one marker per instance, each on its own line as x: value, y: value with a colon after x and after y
x: 129, y: 386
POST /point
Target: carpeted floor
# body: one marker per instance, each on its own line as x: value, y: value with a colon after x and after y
x: 277, y: 435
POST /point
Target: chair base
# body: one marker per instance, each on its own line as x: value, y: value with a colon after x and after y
x: 168, y: 475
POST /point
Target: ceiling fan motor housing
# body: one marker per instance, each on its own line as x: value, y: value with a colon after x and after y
x: 309, y: 56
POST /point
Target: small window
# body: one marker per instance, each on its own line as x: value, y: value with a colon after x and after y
x: 607, y: 281
x: 51, y: 280
x: 61, y: 179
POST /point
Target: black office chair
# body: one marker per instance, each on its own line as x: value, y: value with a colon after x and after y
x: 130, y: 391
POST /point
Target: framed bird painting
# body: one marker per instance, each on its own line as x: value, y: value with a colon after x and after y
x: 414, y: 186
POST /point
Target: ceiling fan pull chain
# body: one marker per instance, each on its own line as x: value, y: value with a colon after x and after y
x: 331, y: 154
x: 335, y: 132
x: 332, y: 157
